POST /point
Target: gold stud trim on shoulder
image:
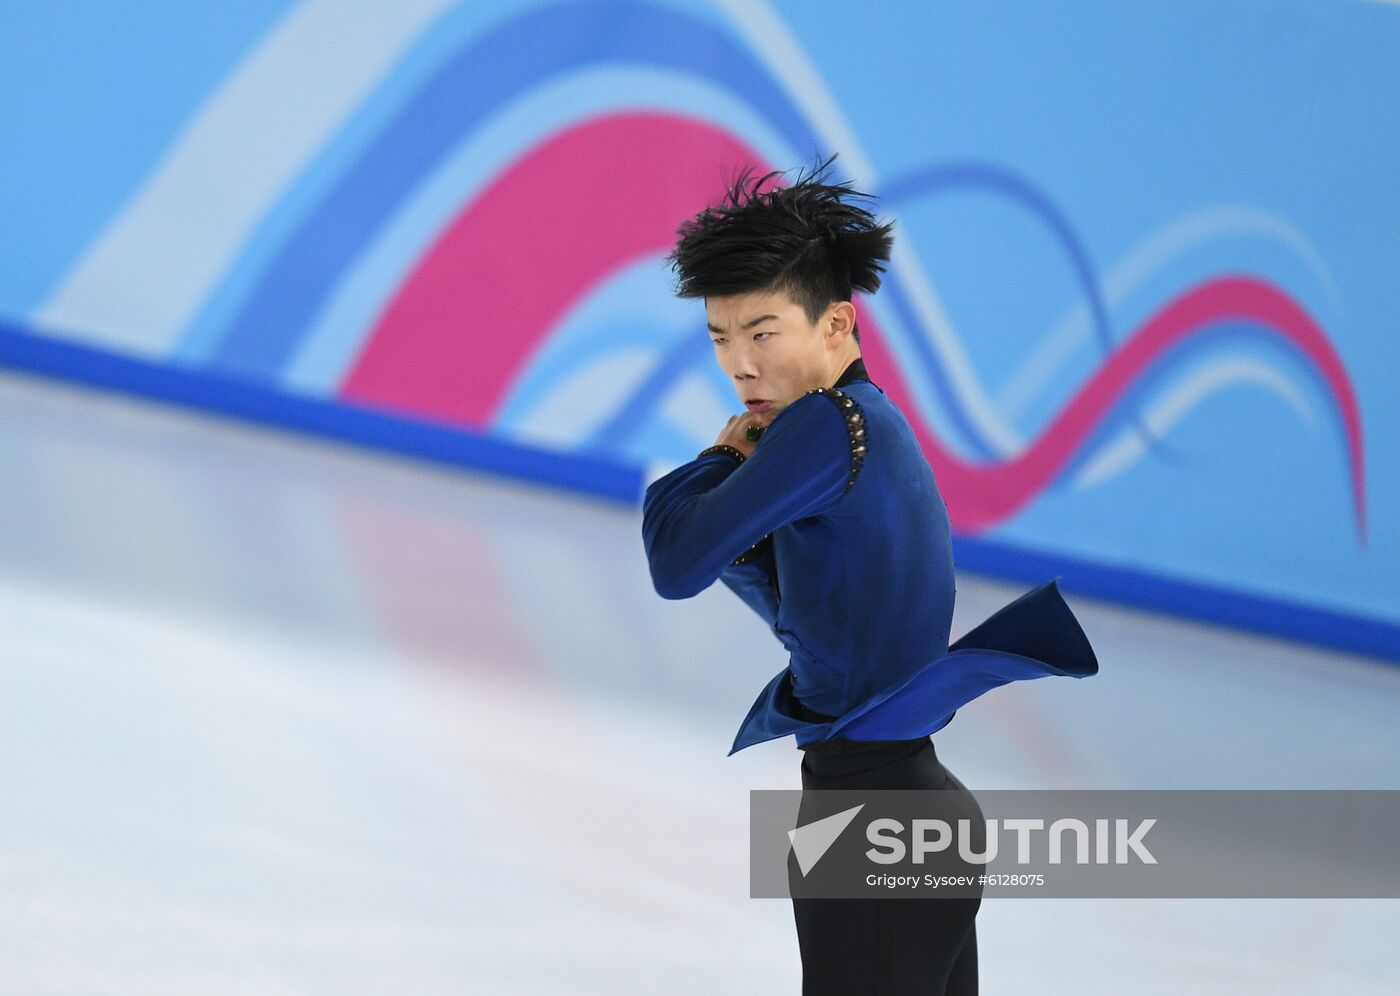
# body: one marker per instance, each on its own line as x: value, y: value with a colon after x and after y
x: 855, y: 426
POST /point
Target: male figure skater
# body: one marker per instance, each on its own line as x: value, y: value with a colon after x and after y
x: 817, y: 507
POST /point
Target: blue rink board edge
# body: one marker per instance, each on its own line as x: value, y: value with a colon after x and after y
x: 23, y: 351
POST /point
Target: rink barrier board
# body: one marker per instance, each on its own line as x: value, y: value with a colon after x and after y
x: 26, y: 352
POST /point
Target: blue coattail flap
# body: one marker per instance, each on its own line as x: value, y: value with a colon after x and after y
x: 1034, y: 636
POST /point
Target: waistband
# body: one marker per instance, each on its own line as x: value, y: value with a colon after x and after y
x: 868, y: 751
x: 841, y: 744
x: 840, y: 756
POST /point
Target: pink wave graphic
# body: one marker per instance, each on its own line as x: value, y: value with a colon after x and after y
x: 610, y: 191
x: 572, y: 210
x: 982, y: 495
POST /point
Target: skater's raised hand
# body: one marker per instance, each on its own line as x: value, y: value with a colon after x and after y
x: 735, y: 432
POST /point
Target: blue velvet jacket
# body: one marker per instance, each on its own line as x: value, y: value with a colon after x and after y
x: 834, y: 532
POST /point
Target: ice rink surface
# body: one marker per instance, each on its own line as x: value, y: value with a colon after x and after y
x: 280, y: 716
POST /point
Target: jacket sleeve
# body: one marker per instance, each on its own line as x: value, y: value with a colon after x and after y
x: 700, y: 517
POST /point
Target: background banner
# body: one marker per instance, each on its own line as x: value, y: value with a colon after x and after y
x: 1142, y: 313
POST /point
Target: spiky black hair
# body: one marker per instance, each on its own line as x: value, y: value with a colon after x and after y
x: 806, y: 239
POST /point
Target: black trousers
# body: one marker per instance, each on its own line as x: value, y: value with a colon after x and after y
x: 884, y: 947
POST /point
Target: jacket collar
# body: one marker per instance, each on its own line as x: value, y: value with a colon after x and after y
x: 855, y: 370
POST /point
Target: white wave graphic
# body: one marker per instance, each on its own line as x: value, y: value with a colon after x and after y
x: 771, y: 41
x: 587, y: 397
x: 362, y: 292
x: 149, y: 271
x: 1045, y: 365
x: 1172, y: 406
x: 992, y: 417
x: 695, y: 408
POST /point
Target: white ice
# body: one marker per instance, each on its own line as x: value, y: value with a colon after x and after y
x: 283, y: 716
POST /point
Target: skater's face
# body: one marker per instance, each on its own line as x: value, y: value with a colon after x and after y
x: 771, y: 352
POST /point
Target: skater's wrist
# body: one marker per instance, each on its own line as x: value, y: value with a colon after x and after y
x: 724, y: 448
